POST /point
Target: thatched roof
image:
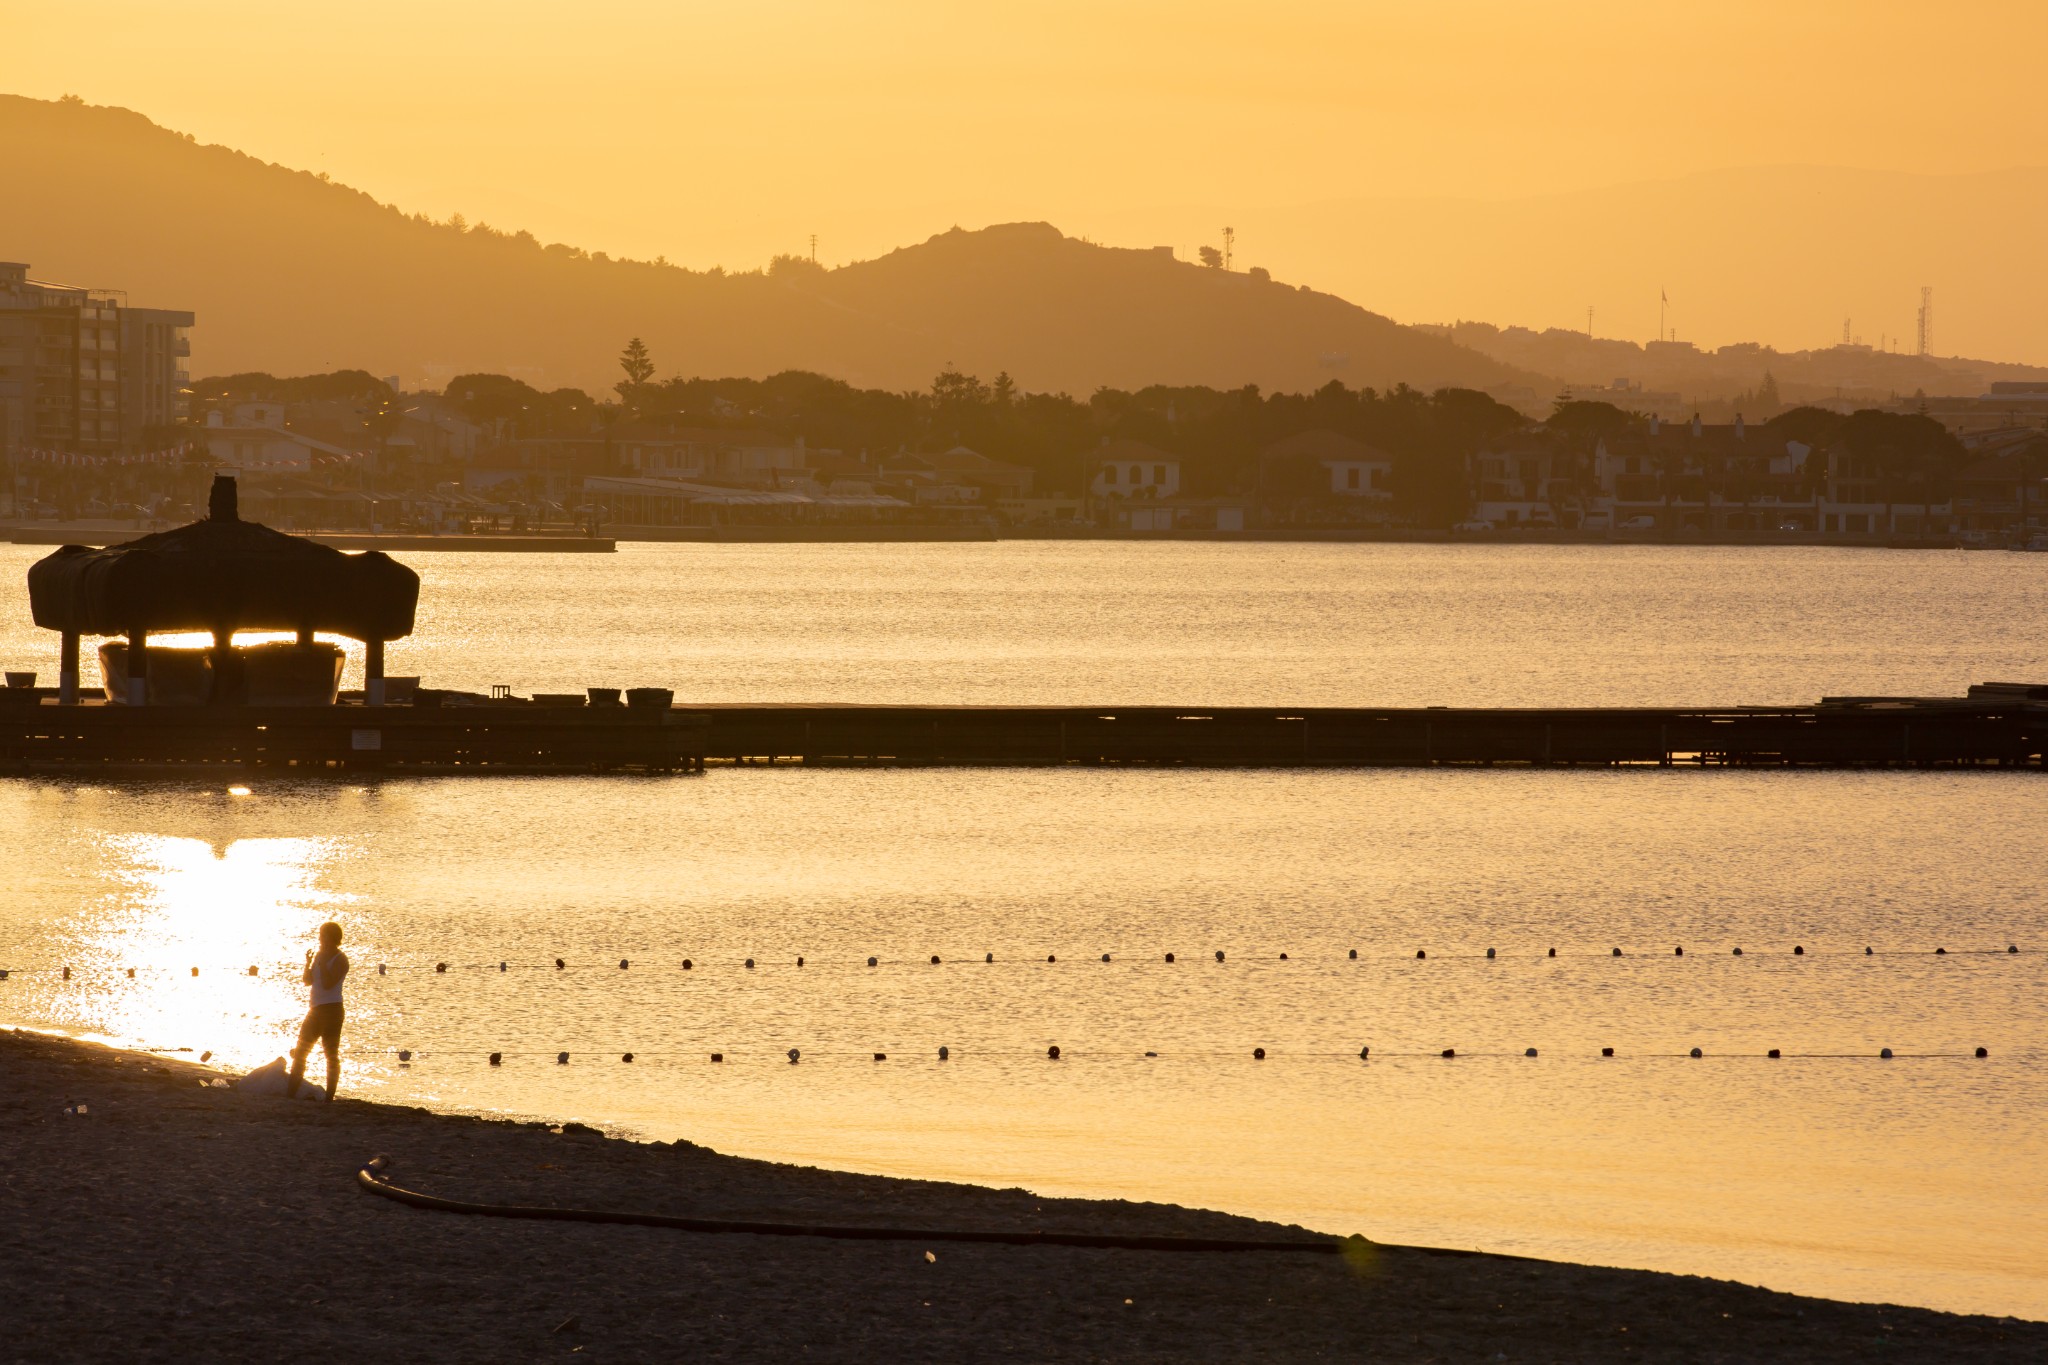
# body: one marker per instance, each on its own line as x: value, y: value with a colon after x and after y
x: 223, y: 573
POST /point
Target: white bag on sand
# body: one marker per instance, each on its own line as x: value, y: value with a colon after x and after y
x: 271, y: 1079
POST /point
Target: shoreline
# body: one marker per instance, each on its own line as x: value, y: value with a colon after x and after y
x: 174, y: 1219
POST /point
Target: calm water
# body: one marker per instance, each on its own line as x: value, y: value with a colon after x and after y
x: 1923, y: 1179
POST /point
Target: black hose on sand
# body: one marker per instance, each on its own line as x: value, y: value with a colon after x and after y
x: 371, y: 1177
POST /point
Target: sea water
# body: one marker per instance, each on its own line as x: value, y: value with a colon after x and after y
x: 1828, y: 1170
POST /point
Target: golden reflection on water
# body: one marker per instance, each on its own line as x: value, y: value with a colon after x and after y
x: 178, y: 904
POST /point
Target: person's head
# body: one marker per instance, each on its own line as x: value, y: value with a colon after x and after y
x: 330, y: 935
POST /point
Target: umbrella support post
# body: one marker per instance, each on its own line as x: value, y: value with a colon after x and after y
x: 138, y: 668
x: 67, y: 670
x: 373, y: 672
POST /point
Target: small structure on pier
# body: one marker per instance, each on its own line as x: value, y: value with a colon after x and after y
x: 222, y: 575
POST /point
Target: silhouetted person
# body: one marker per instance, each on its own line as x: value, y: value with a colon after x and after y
x: 325, y: 971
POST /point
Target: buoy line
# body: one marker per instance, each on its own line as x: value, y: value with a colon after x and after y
x: 563, y: 965
x: 373, y: 1177
x: 1057, y: 1053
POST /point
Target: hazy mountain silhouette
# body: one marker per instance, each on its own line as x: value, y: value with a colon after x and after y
x: 290, y: 273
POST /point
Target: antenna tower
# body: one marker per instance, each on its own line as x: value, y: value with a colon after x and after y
x: 814, y: 248
x: 1845, y: 331
x: 1589, y: 322
x: 1926, y: 338
x: 1229, y: 240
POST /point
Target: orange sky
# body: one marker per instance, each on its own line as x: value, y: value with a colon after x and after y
x: 721, y: 133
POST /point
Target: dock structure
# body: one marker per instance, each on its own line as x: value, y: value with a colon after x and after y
x: 40, y: 735
x: 1994, y: 730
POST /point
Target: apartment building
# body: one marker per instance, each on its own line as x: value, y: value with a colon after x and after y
x: 81, y: 372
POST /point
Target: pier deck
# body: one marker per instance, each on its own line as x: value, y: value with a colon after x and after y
x: 513, y: 737
x: 1934, y: 733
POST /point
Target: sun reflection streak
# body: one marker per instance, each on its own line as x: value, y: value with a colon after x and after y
x: 178, y: 904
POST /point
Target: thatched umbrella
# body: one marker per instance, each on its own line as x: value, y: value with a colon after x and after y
x: 220, y: 575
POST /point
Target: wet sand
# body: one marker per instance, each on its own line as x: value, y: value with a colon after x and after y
x: 178, y: 1221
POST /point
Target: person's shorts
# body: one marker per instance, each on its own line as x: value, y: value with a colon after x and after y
x: 324, y: 1023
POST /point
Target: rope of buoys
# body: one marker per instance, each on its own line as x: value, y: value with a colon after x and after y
x: 1056, y: 1053
x: 503, y: 966
x: 372, y: 1176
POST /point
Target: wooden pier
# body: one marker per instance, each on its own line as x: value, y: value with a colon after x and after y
x: 2005, y: 731
x: 39, y: 735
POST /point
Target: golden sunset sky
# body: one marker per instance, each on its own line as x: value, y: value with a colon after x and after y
x: 722, y: 133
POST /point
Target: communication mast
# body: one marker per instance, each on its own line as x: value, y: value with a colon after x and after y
x: 1589, y: 322
x: 1845, y: 331
x: 1229, y: 240
x: 1926, y: 319
x: 814, y: 248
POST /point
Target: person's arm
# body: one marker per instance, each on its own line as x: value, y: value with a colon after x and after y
x: 306, y: 977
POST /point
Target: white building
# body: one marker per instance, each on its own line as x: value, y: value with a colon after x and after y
x: 1132, y: 469
x: 253, y: 436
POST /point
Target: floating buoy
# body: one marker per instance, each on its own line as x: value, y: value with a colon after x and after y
x: 793, y: 1056
x: 935, y: 959
x: 1617, y: 952
x: 799, y: 962
x: 1283, y: 957
x: 1489, y: 952
x: 2012, y: 947
x: 881, y: 1056
x: 439, y: 968
x: 1798, y: 950
x: 1529, y: 1052
x: 404, y: 1054
x: 1941, y: 952
x: 1885, y: 1053
x: 501, y: 966
x: 1982, y: 1052
x: 1772, y: 1053
x: 1450, y: 1052
x: 1258, y: 1054
x: 1049, y: 957
x: 1169, y: 957
x: 131, y: 973
x: 195, y: 971
x: 1364, y: 1053
x: 718, y: 1056
x: 623, y: 964
x: 871, y: 962
x: 380, y: 969
x: 1421, y: 953
x: 252, y: 971
x: 1866, y: 951
x: 497, y: 1059
x: 1151, y: 1054
x: 1053, y: 1052
x: 561, y: 1059
x: 1553, y: 952
x: 1105, y: 956
x: 559, y: 964
x: 1738, y: 952
x: 687, y: 964
x: 988, y: 957
x: 944, y: 1053
x: 750, y: 964
x: 1219, y: 954
x: 1678, y: 952
x: 1697, y: 1053
x: 1606, y: 1052
x: 1354, y: 954
x: 627, y: 1057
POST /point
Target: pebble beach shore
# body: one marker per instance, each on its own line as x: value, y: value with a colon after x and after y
x: 177, y: 1220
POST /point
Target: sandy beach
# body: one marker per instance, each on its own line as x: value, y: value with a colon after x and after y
x: 174, y: 1219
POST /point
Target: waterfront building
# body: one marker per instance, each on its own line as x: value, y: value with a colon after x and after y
x: 1123, y: 469
x: 84, y: 374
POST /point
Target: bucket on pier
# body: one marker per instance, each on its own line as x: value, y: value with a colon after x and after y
x: 654, y: 698
x: 602, y: 696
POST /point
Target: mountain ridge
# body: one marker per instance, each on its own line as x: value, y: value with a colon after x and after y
x: 289, y: 271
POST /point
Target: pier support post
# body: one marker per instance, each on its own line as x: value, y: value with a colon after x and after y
x: 138, y: 666
x: 373, y: 672
x: 67, y: 670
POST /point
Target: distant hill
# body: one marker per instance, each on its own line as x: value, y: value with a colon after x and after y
x: 290, y: 273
